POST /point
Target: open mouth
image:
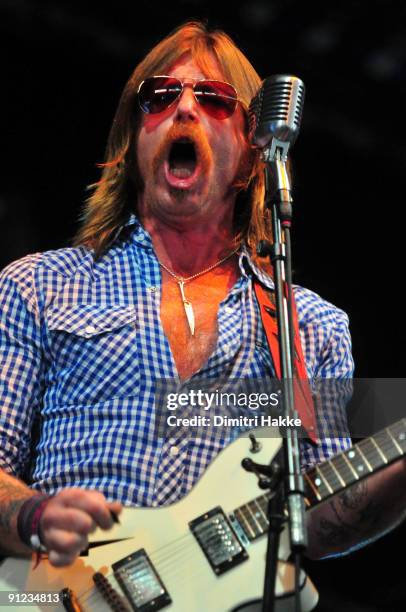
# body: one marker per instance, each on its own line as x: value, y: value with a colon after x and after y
x: 182, y: 158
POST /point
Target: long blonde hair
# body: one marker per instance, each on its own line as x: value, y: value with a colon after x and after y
x: 114, y: 196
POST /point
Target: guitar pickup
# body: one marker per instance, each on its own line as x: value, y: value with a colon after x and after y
x: 218, y: 540
x: 141, y: 583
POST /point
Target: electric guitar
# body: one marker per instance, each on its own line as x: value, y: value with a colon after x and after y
x: 205, y: 553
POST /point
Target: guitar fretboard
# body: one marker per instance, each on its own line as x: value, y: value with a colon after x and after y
x: 334, y: 475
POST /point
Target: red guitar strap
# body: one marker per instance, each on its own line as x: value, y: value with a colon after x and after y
x: 303, y: 395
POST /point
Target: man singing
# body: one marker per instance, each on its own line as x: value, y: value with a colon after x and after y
x: 159, y: 285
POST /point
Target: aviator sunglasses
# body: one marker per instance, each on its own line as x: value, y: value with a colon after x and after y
x: 157, y: 93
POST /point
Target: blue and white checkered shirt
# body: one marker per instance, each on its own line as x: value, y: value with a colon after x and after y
x: 81, y: 346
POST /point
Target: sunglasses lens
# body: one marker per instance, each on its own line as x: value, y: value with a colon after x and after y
x: 157, y: 93
x: 218, y: 99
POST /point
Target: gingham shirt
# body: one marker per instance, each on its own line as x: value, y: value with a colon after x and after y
x: 81, y: 348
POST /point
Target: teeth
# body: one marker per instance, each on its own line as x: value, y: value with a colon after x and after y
x: 181, y: 172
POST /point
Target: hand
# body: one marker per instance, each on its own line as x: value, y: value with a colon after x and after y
x: 68, y: 519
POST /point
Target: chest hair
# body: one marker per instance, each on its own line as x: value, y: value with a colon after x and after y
x: 205, y: 294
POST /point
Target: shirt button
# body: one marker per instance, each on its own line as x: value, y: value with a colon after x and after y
x: 152, y: 289
x: 90, y: 329
x: 174, y: 450
x: 229, y: 309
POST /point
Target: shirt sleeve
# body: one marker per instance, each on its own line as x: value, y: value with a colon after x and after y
x: 20, y: 366
x: 332, y: 389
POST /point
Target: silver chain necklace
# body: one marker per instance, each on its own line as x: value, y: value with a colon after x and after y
x: 190, y: 315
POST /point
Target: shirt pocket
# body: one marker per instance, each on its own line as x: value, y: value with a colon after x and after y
x: 93, y: 353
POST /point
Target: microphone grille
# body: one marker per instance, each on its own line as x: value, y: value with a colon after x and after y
x: 276, y: 110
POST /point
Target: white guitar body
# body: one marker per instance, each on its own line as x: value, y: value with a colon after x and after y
x: 176, y: 554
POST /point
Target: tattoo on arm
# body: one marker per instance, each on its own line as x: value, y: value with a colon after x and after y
x: 333, y: 533
x: 11, y: 499
x: 353, y: 497
x: 364, y: 520
x: 13, y: 494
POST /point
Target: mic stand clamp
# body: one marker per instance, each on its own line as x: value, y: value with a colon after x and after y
x: 269, y: 476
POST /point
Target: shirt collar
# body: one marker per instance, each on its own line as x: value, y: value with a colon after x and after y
x: 139, y: 235
x: 247, y: 266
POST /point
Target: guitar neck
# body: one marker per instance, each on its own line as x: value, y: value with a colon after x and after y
x: 332, y: 476
x: 361, y: 460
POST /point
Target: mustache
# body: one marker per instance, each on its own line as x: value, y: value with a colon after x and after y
x: 192, y: 132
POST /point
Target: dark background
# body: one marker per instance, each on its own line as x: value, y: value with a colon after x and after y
x: 63, y: 68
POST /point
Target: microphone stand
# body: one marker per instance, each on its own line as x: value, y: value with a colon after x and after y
x: 290, y: 491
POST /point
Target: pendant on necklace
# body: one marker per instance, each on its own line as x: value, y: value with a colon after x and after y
x: 190, y: 315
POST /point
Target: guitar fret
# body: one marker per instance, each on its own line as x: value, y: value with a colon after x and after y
x: 262, y: 502
x: 379, y: 450
x: 245, y: 522
x: 359, y: 450
x: 330, y: 476
x: 256, y: 501
x: 253, y: 514
x: 317, y: 496
x: 348, y: 462
x: 395, y: 442
x: 343, y: 483
x: 386, y: 444
x: 264, y: 520
x: 347, y: 471
x: 323, y: 479
x: 317, y: 484
x: 399, y: 433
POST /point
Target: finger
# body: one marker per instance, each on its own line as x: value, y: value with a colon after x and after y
x: 58, y: 559
x: 69, y: 519
x: 115, y: 509
x: 91, y: 502
x: 64, y: 542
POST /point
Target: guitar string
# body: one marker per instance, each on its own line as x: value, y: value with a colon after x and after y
x: 178, y: 581
x: 168, y: 561
x: 193, y: 571
x: 168, y: 564
x: 171, y: 567
x: 188, y: 572
x: 167, y: 572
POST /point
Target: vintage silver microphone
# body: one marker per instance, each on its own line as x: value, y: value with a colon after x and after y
x: 275, y: 114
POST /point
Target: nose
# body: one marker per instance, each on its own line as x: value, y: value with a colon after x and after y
x: 187, y: 105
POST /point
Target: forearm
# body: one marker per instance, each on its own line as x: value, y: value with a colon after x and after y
x: 13, y: 493
x: 360, y: 514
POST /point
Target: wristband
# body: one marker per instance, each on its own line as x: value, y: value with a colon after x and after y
x: 28, y: 522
